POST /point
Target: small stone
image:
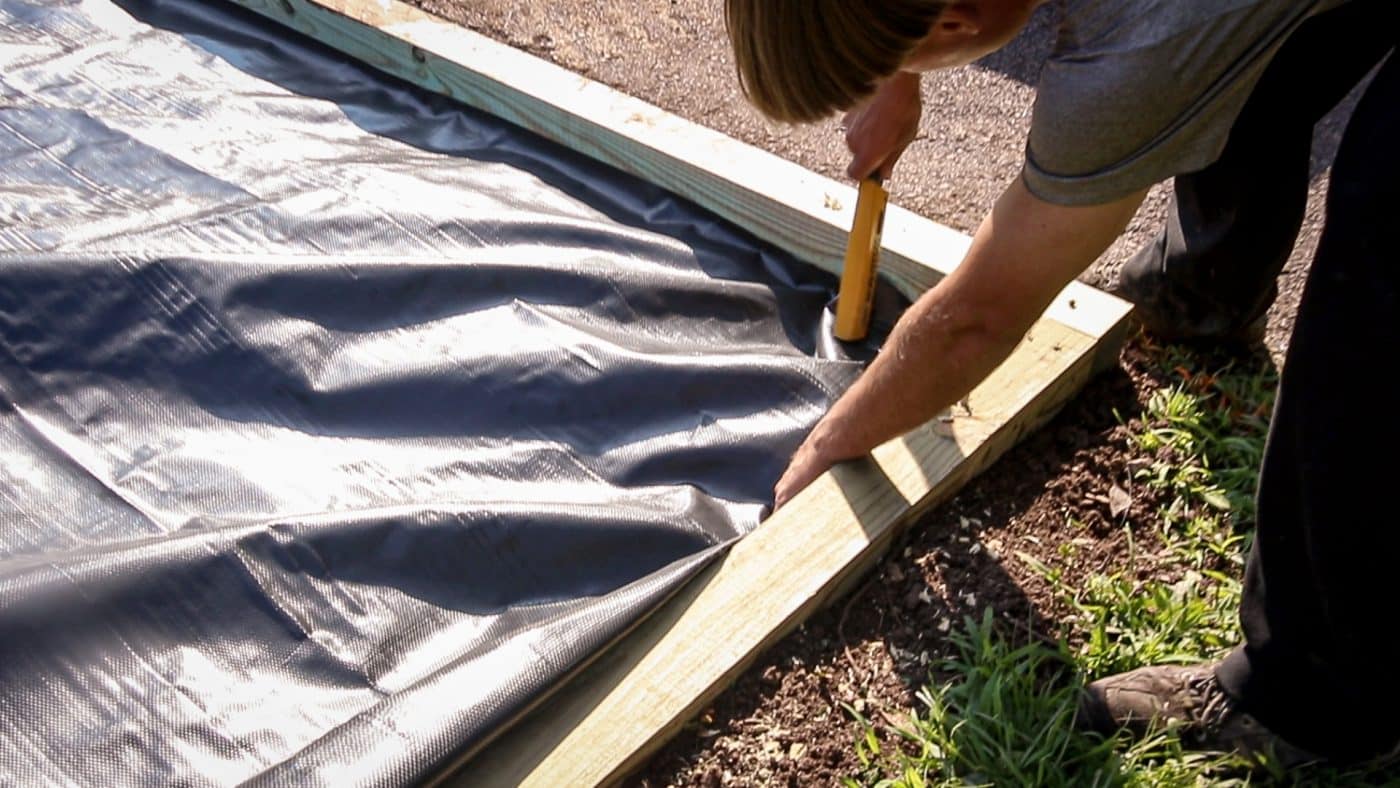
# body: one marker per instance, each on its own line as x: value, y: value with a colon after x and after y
x: 797, y: 750
x: 895, y: 574
x: 771, y: 676
x: 1119, y: 501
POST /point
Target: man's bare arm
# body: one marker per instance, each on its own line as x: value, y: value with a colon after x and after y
x: 1024, y: 253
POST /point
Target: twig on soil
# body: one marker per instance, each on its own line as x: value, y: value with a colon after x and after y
x: 841, y: 626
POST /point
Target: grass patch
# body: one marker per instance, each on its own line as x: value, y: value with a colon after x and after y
x: 1004, y: 717
x: 1203, y: 440
x: 1199, y: 444
x: 1127, y: 624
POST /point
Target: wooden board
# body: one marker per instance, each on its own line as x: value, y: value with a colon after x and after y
x: 617, y: 710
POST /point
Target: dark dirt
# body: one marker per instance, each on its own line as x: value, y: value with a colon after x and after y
x: 782, y: 722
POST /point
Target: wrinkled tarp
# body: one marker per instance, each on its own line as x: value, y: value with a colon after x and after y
x: 339, y: 421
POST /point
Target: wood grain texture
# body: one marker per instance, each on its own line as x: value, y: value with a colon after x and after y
x: 615, y: 711
x: 796, y: 210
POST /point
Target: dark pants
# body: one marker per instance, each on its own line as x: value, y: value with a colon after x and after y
x: 1321, y: 661
x: 1212, y: 271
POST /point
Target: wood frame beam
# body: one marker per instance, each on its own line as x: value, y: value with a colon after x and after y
x: 613, y: 712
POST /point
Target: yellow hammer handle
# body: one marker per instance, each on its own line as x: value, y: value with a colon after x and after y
x: 862, y: 254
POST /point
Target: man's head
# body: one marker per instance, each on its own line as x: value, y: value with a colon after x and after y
x: 801, y: 60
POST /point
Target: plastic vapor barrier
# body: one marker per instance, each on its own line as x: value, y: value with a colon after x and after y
x: 338, y: 422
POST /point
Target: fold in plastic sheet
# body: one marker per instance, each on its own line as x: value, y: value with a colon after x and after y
x: 338, y: 422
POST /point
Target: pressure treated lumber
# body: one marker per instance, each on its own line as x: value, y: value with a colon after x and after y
x: 617, y: 710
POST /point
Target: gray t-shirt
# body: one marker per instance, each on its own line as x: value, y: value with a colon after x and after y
x: 1137, y: 91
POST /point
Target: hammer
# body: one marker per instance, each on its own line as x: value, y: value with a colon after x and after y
x: 857, y: 291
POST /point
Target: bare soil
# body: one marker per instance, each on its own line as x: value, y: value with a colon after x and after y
x: 782, y: 722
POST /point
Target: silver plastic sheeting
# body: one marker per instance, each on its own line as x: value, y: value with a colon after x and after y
x: 338, y: 422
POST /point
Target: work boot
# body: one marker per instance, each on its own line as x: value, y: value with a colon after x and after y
x: 1172, y: 312
x: 1187, y: 698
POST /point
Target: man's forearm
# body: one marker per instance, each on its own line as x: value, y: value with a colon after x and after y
x: 936, y: 355
x: 1024, y: 253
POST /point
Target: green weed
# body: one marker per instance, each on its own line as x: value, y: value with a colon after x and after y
x: 1006, y: 719
x: 1203, y: 440
x: 1128, y: 624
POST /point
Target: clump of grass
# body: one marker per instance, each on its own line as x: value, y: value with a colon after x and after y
x: 1204, y: 438
x: 1129, y: 624
x: 1007, y: 718
x: 1122, y: 623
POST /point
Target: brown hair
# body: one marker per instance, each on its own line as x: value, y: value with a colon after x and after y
x: 801, y: 60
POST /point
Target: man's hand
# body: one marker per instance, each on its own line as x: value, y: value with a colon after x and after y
x: 823, y: 448
x: 879, y: 130
x: 806, y: 465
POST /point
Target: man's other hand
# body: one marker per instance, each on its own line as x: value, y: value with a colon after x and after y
x: 879, y: 130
